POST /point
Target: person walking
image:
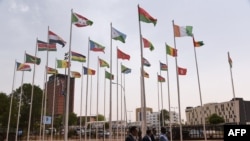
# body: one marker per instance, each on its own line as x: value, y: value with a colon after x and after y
x: 153, y: 135
x: 133, y: 132
x: 147, y: 137
x: 163, y: 136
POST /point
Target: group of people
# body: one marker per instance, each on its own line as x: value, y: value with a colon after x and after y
x: 135, y: 134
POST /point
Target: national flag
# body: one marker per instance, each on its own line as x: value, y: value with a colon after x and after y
x: 54, y: 38
x: 117, y: 35
x: 145, y: 74
x: 171, y: 51
x: 88, y: 71
x: 22, y: 67
x: 163, y: 67
x: 147, y: 44
x: 109, y: 76
x: 146, y: 62
x: 44, y: 46
x: 229, y: 60
x: 79, y: 20
x: 181, y: 31
x: 122, y: 55
x: 32, y: 59
x: 77, y: 57
x: 96, y: 47
x: 62, y: 64
x: 182, y: 71
x: 145, y: 17
x: 51, y: 70
x: 197, y: 43
x: 103, y: 63
x: 161, y: 79
x: 125, y: 69
x: 75, y: 74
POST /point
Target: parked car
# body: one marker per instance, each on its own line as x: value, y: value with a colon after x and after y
x: 194, y: 133
x: 79, y: 131
x: 102, y: 134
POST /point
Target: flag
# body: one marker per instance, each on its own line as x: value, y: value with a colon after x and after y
x: 145, y: 74
x: 103, y: 63
x: 77, y: 57
x: 122, y: 55
x: 117, y: 35
x: 125, y: 69
x: 32, y: 59
x: 182, y: 71
x: 147, y: 44
x: 197, y: 43
x: 146, y: 62
x: 108, y: 75
x: 88, y: 71
x: 44, y: 46
x: 171, y: 51
x: 145, y: 17
x: 181, y: 31
x: 22, y: 67
x: 75, y: 74
x: 163, y: 67
x: 229, y: 60
x: 62, y: 64
x: 51, y: 70
x: 80, y: 21
x: 161, y: 79
x: 53, y: 38
x: 96, y: 47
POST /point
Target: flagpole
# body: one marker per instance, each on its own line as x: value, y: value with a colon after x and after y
x: 11, y: 100
x: 81, y: 105
x: 104, y: 105
x: 169, y: 105
x: 117, y: 96
x: 162, y: 114
x: 86, y: 103
x: 158, y: 91
x: 32, y: 93
x: 202, y: 108
x: 90, y: 103
x: 121, y: 103
x: 19, y: 105
x: 53, y: 107
x: 41, y: 119
x: 178, y: 89
x: 125, y: 107
x: 143, y: 99
x: 97, y: 95
x: 110, y: 86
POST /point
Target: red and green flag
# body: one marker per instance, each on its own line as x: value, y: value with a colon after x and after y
x: 77, y: 57
x: 32, y: 59
x: 147, y: 44
x: 163, y: 66
x: 44, y: 46
x: 171, y: 51
x: 80, y: 21
x: 161, y: 79
x: 145, y: 16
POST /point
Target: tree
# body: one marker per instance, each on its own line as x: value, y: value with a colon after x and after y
x: 215, y: 119
x: 100, y: 117
x: 72, y: 119
x: 4, y: 110
x: 165, y: 114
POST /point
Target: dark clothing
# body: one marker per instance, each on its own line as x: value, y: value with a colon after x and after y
x: 130, y: 138
x: 153, y: 138
x: 146, y: 138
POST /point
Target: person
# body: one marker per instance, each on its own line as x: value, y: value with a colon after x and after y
x: 163, y: 136
x: 139, y: 135
x: 153, y: 135
x: 147, y: 137
x: 132, y: 134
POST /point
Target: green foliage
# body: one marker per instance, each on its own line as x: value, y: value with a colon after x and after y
x: 215, y: 119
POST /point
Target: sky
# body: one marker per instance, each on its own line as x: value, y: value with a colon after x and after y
x: 222, y: 25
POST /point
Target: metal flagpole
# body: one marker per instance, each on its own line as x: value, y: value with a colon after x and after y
x: 90, y: 103
x: 41, y: 119
x: 162, y: 114
x: 121, y: 106
x: 202, y: 108
x: 53, y: 107
x: 11, y: 100
x: 81, y: 106
x: 117, y: 96
x: 158, y: 91
x: 97, y: 95
x: 110, y: 86
x: 86, y: 103
x: 178, y: 88
x: 125, y: 107
x: 104, y: 106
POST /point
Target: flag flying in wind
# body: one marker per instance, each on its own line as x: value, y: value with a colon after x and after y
x: 161, y: 79
x: 62, y: 64
x: 54, y: 38
x: 80, y: 21
x: 96, y: 47
x: 171, y: 51
x: 197, y: 43
x: 103, y: 63
x: 77, y: 57
x: 145, y: 74
x: 146, y: 62
x: 145, y: 17
x: 108, y: 75
x: 122, y: 55
x: 147, y: 44
x: 117, y: 35
x: 181, y: 31
x: 32, y: 59
x: 163, y: 67
x: 22, y: 67
x: 51, y: 70
x: 75, y: 74
x: 182, y: 71
x: 44, y: 46
x: 229, y: 60
x: 88, y: 71
x: 125, y: 69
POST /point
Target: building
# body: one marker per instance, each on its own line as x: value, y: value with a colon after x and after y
x: 60, y: 86
x: 138, y: 113
x: 233, y: 111
x: 174, y: 117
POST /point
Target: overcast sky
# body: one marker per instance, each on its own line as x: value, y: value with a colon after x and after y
x: 222, y: 25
